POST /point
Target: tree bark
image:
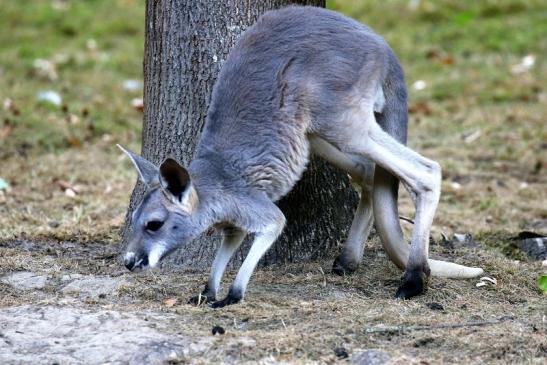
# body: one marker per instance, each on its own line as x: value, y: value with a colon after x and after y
x: 185, y: 45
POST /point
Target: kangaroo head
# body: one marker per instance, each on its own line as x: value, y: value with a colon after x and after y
x: 166, y: 218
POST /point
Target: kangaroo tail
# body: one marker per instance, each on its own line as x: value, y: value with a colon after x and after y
x: 394, y: 120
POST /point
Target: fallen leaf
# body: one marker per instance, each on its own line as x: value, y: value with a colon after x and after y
x: 65, y: 186
x: 138, y: 104
x: 419, y: 85
x: 170, y: 302
x: 420, y: 107
x: 472, y: 137
x: 131, y: 85
x: 49, y: 97
x: 8, y: 104
x: 70, y: 193
x: 526, y: 63
x: 91, y: 44
x: 46, y: 68
x: 447, y: 60
x: 73, y: 119
x: 3, y: 184
x: 432, y: 54
x: 74, y: 142
x: 5, y: 131
x: 485, y: 281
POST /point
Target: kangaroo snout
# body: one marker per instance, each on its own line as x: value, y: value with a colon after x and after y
x: 133, y: 262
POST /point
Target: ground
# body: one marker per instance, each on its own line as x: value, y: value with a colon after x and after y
x: 476, y: 81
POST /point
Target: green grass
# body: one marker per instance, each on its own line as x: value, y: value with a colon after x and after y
x: 94, y: 45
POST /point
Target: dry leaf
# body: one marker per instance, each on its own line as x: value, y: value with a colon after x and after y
x: 73, y: 119
x: 70, y: 193
x: 526, y: 63
x: 50, y: 97
x: 74, y: 142
x: 470, y: 138
x: 137, y: 104
x: 485, y: 281
x: 419, y: 107
x: 68, y: 188
x: 5, y: 131
x: 447, y: 60
x: 170, y: 302
x: 8, y: 104
x: 131, y: 85
x: 419, y: 85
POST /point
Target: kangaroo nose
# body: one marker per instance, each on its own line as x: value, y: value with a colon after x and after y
x: 129, y: 260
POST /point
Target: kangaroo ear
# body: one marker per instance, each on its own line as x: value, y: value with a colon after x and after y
x: 175, y: 179
x: 148, y: 172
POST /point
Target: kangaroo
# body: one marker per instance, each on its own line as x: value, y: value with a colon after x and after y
x: 301, y: 80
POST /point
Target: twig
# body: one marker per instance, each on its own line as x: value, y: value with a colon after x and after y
x: 406, y: 329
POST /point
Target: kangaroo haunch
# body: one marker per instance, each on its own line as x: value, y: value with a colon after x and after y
x: 301, y: 80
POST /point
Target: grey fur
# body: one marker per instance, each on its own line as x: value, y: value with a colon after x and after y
x: 299, y: 73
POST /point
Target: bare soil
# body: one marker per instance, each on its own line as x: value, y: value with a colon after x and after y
x: 72, y: 302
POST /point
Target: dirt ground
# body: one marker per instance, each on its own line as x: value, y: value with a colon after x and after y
x: 72, y: 302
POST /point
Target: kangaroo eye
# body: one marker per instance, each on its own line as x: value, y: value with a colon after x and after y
x: 153, y: 225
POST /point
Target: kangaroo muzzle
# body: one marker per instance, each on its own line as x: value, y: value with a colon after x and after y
x: 135, y: 262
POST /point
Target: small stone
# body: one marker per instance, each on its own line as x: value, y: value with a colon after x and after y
x: 435, y: 306
x: 460, y: 240
x: 131, y: 85
x: 218, y: 329
x: 93, y: 286
x: 419, y: 85
x: 341, y: 353
x: 370, y: 357
x: 49, y: 97
x: 25, y: 280
x: 535, y: 247
x: 54, y: 224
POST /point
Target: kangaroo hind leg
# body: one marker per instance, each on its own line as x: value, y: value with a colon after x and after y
x: 361, y: 172
x: 421, y: 175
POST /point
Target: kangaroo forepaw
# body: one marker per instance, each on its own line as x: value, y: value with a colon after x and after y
x: 229, y: 300
x: 206, y: 296
x: 414, y: 283
x: 342, y: 267
x: 200, y: 299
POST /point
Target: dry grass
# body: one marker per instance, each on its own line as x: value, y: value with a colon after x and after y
x: 297, y: 313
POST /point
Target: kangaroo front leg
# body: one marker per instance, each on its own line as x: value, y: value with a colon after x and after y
x: 423, y: 177
x: 262, y: 242
x: 232, y: 239
x: 361, y: 172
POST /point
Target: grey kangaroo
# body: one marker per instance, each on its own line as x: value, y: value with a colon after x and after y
x: 301, y: 80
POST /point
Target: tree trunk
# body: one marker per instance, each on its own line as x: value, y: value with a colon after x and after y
x: 186, y: 43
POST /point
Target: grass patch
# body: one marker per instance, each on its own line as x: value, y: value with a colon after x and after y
x: 87, y: 49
